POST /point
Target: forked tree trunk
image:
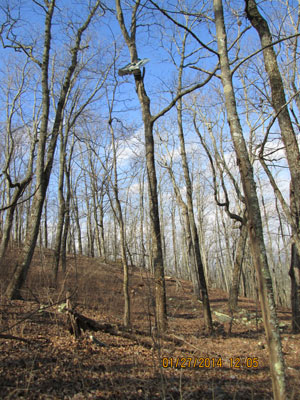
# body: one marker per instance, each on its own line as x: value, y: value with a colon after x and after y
x: 255, y: 228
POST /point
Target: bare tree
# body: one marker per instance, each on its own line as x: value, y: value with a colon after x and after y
x: 189, y: 196
x: 279, y: 104
x: 149, y: 120
x: 219, y: 165
x: 18, y: 185
x: 160, y: 291
x: 255, y: 229
x: 45, y: 154
x: 119, y: 216
x: 72, y: 113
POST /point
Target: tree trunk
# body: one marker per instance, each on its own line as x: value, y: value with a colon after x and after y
x: 162, y: 220
x: 20, y: 273
x: 67, y: 221
x: 119, y: 215
x: 141, y: 204
x: 278, y: 95
x: 201, y: 232
x: 221, y: 257
x: 237, y: 269
x: 190, y: 253
x: 18, y: 279
x: 173, y: 211
x: 97, y: 230
x: 289, y: 140
x: 89, y: 225
x: 258, y: 250
x: 9, y: 222
x: 294, y: 273
x: 18, y: 192
x: 190, y: 208
x: 101, y: 225
x: 115, y: 241
x: 77, y: 221
x: 160, y: 291
x: 61, y: 208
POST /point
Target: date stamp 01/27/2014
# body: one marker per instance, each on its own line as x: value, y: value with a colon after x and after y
x: 210, y: 362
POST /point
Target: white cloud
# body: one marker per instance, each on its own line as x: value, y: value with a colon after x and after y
x: 130, y: 148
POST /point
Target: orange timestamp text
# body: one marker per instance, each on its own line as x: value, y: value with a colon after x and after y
x: 210, y: 362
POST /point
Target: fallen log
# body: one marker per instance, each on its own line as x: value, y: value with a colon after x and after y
x: 80, y: 323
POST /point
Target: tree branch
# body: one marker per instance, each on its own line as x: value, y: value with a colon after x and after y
x: 164, y: 12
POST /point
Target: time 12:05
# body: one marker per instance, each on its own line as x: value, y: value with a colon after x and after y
x: 247, y: 362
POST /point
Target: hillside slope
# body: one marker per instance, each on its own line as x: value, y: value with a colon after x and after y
x: 50, y: 364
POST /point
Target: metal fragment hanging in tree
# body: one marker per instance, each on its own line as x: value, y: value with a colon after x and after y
x: 133, y: 67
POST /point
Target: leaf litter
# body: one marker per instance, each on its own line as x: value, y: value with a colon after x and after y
x: 52, y: 364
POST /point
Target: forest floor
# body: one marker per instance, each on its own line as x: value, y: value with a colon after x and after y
x: 49, y: 363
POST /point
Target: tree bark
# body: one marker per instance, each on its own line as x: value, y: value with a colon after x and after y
x: 101, y: 225
x: 77, y: 220
x: 294, y: 273
x: 61, y: 207
x: 67, y: 219
x: 255, y: 229
x: 158, y: 266
x: 289, y: 139
x: 174, y: 242
x: 278, y: 97
x: 141, y: 206
x: 237, y: 269
x: 119, y: 215
x: 19, y: 187
x: 9, y: 219
x: 189, y: 201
